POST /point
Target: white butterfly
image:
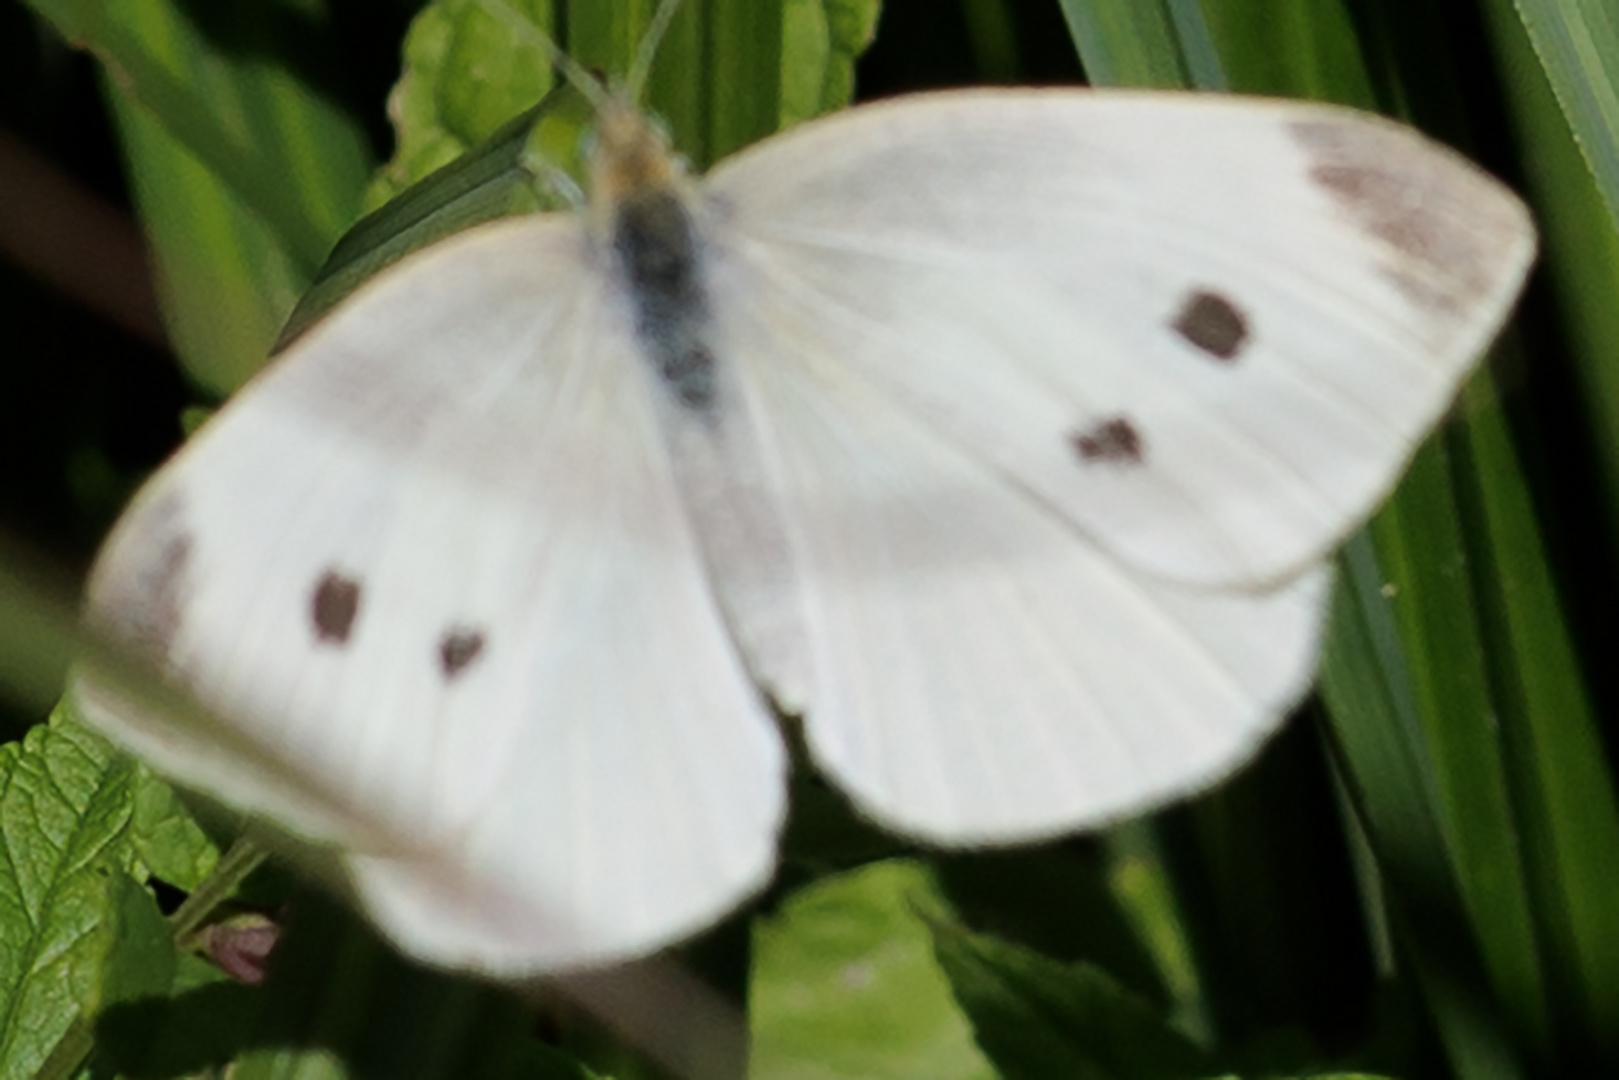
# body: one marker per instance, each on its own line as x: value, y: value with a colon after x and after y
x: 1001, y: 436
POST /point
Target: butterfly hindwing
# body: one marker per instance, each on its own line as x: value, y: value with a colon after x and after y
x: 980, y: 671
x: 436, y: 573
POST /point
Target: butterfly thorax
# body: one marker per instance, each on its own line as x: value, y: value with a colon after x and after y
x: 630, y: 157
x: 638, y: 198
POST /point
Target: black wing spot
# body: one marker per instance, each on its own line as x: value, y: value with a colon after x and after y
x: 1213, y: 324
x: 1116, y: 441
x: 458, y: 648
x: 335, y: 605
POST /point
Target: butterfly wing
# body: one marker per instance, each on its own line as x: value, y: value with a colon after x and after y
x: 1066, y: 416
x: 432, y: 571
x: 1209, y: 331
x: 977, y: 671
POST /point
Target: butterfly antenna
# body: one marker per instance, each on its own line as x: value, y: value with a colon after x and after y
x: 571, y: 70
x: 648, y: 49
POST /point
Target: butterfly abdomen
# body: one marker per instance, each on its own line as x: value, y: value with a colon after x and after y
x: 639, y: 203
x: 656, y: 252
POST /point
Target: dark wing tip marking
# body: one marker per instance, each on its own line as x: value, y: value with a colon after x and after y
x: 458, y: 648
x: 166, y: 588
x: 1441, y: 219
x: 142, y: 603
x: 1115, y: 441
x: 1213, y: 324
x: 334, y: 607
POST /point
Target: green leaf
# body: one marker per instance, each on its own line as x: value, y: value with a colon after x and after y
x: 199, y: 1022
x: 1064, y: 901
x: 822, y: 39
x: 226, y: 279
x: 315, y: 1064
x: 257, y: 126
x: 65, y: 803
x: 1037, y: 1018
x: 717, y: 77
x: 523, y: 167
x: 743, y: 92
x: 244, y: 173
x: 473, y: 146
x: 142, y: 960
x: 845, y: 984
x: 167, y: 838
x: 466, y: 75
x: 1314, y: 1076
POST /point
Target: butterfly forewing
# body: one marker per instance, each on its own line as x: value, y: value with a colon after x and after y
x: 1209, y: 331
x: 436, y: 572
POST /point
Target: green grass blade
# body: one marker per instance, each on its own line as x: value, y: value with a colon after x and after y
x: 1127, y: 42
x: 1563, y: 792
x: 1577, y: 42
x: 1570, y: 821
x: 1580, y: 245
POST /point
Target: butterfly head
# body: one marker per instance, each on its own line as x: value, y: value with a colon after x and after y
x: 630, y: 157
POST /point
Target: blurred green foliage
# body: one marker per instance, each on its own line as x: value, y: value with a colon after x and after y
x: 1419, y: 878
